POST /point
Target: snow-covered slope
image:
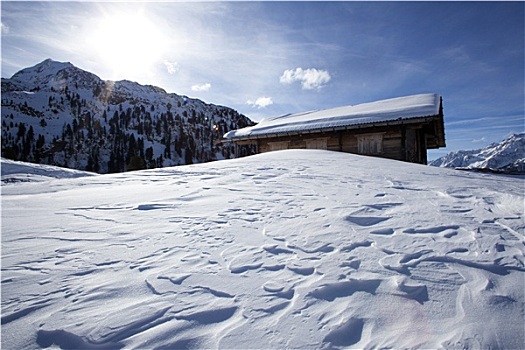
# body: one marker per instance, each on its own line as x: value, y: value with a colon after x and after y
x: 295, y: 249
x: 55, y: 113
x: 506, y: 156
x: 13, y: 171
x: 52, y: 74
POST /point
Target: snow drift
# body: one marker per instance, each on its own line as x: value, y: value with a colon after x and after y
x: 292, y: 249
x: 13, y: 171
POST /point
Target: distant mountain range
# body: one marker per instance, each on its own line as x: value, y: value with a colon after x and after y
x: 55, y: 113
x: 508, y: 156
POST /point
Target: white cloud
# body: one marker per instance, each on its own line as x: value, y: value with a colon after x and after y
x: 172, y: 67
x: 482, y: 139
x: 260, y: 102
x: 310, y: 78
x: 201, y: 87
x: 5, y: 28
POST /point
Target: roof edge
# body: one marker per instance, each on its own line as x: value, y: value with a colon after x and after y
x: 381, y: 112
x: 400, y: 121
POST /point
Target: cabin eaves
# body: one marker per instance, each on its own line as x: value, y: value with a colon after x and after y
x: 423, y: 113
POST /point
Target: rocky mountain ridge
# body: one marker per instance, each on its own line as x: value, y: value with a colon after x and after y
x: 507, y: 156
x: 55, y: 113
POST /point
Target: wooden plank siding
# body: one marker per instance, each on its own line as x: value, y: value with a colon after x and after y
x: 405, y: 143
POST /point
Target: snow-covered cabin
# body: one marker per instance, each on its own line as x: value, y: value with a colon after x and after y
x: 400, y: 128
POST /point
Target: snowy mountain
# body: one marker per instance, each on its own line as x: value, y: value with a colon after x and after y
x: 55, y: 113
x: 298, y: 249
x: 508, y: 156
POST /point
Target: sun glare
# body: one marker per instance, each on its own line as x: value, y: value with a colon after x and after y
x: 128, y: 44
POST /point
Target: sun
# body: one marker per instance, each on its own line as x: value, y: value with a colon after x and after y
x: 127, y: 43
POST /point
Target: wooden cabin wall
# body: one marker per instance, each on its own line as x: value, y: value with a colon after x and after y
x: 348, y: 142
x: 398, y: 142
x: 334, y: 142
x: 263, y: 147
x: 392, y: 145
x: 415, y: 145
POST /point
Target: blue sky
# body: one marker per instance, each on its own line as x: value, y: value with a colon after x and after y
x: 271, y: 58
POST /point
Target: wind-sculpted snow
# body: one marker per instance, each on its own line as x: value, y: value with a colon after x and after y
x: 292, y: 249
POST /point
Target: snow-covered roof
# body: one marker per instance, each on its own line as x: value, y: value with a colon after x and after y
x: 401, y: 108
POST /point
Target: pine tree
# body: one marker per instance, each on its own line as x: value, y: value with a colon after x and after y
x: 21, y: 131
x: 188, y: 156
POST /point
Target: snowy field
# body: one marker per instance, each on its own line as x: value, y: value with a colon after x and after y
x: 13, y: 171
x: 292, y: 249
